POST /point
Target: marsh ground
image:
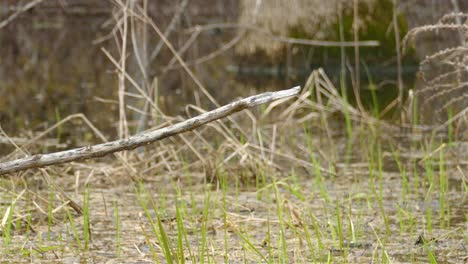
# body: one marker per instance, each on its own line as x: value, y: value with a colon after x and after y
x: 314, y: 179
x: 285, y: 192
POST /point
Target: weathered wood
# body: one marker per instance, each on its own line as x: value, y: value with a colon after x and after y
x: 145, y: 138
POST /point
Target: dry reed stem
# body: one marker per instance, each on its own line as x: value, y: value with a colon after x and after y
x: 283, y: 39
x: 429, y: 28
x: 69, y: 118
x: 443, y: 72
x: 146, y: 19
x: 122, y: 23
x: 170, y: 28
x: 357, y: 83
x: 398, y: 53
x: 225, y: 47
x: 134, y: 83
x: 449, y: 16
x: 20, y: 10
x: 278, y: 17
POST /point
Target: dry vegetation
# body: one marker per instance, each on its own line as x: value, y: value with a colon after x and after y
x: 314, y: 180
x: 278, y: 18
x: 443, y: 73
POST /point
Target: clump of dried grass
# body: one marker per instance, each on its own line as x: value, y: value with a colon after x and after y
x: 443, y: 74
x: 316, y: 17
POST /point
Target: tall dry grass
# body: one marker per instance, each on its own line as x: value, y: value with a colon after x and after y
x: 278, y: 17
x: 442, y: 88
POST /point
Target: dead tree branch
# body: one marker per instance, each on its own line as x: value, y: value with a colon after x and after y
x: 145, y: 138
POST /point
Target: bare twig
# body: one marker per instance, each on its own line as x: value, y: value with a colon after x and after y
x: 357, y: 83
x: 274, y: 37
x: 169, y: 29
x: 145, y: 18
x: 398, y: 52
x: 20, y: 10
x: 123, y: 29
x: 225, y: 47
x: 142, y: 139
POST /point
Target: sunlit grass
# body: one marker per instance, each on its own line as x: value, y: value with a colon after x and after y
x: 330, y: 225
x: 50, y: 207
x: 289, y: 196
x: 86, y: 215
x: 118, y: 238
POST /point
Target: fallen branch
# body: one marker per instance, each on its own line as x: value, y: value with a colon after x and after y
x: 145, y: 138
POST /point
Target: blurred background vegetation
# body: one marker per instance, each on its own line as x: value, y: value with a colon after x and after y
x: 52, y: 64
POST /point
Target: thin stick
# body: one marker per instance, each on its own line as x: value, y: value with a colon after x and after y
x: 138, y: 140
x: 398, y: 53
x: 148, y: 20
x: 357, y: 84
x: 175, y: 19
x: 20, y: 10
x: 123, y: 126
x: 299, y: 41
